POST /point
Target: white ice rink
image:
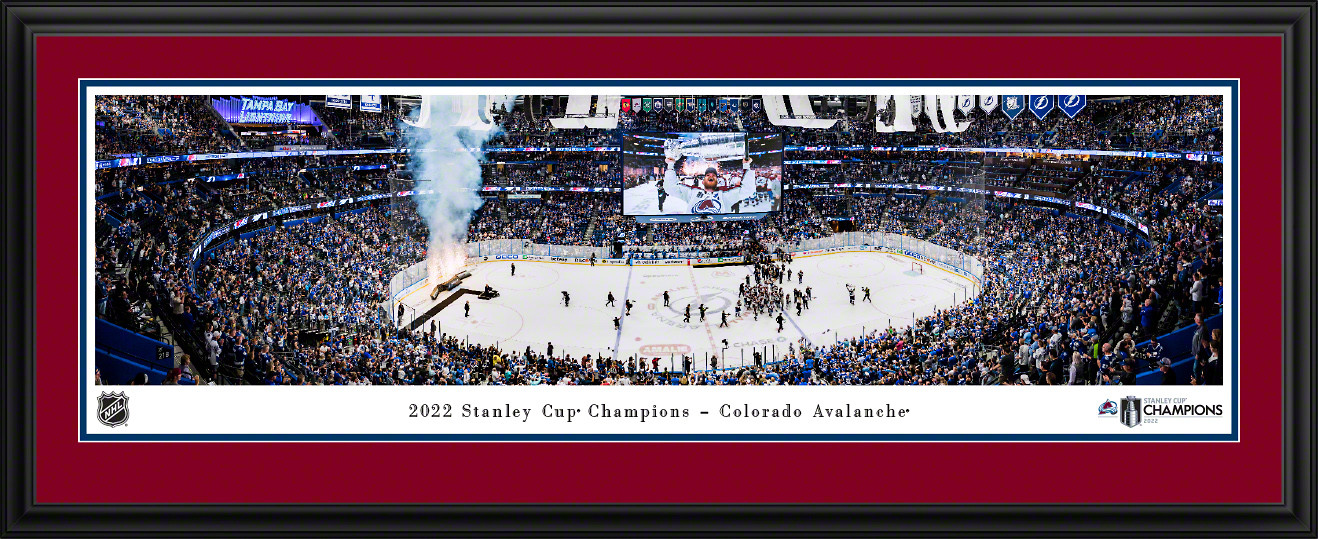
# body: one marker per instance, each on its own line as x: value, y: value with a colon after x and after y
x: 530, y: 311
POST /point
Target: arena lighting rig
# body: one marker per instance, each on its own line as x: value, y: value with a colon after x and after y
x: 449, y: 284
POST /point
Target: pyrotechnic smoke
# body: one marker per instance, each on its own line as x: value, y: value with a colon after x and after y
x: 444, y: 161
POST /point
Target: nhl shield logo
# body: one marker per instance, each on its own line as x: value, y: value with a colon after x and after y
x: 112, y: 409
x: 1130, y: 411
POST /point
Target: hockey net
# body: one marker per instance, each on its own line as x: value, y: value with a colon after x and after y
x: 917, y: 267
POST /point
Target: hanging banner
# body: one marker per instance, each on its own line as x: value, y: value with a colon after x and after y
x: 370, y: 103
x: 691, y: 104
x: 988, y: 102
x: 1041, y: 105
x: 681, y: 104
x: 668, y: 104
x: 723, y: 104
x: 965, y: 103
x: 917, y: 106
x: 646, y: 104
x: 1013, y: 105
x: 338, y: 101
x: 701, y: 104
x: 755, y: 105
x: 1071, y: 104
x: 626, y: 105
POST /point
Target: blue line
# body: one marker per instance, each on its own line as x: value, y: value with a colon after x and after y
x: 82, y: 255
x: 1235, y: 260
x: 622, y: 317
x: 798, y: 328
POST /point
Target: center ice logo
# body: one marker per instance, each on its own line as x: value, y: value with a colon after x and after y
x: 716, y: 300
x: 714, y: 304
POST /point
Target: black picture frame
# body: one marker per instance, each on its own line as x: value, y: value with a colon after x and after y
x: 23, y: 21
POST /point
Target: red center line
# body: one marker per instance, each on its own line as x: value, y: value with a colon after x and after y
x: 708, y: 332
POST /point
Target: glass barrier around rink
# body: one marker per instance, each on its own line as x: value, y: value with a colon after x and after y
x: 931, y: 251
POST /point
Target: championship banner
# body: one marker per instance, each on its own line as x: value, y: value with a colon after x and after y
x: 1041, y: 105
x: 338, y: 101
x: 370, y: 103
x: 988, y: 102
x: 646, y: 103
x: 1071, y: 104
x: 1013, y: 105
x: 965, y: 103
x: 681, y: 104
x: 626, y: 105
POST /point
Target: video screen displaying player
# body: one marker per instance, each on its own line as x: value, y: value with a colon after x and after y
x: 701, y: 173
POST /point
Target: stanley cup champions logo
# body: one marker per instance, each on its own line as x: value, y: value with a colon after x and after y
x: 1130, y: 411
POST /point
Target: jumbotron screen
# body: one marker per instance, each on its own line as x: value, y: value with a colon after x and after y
x: 701, y: 173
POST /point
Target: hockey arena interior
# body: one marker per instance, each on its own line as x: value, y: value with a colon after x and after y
x: 658, y: 239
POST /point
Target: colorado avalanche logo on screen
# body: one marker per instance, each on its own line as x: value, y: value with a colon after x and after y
x: 708, y: 205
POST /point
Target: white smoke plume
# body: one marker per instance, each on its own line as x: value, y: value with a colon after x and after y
x: 443, y: 161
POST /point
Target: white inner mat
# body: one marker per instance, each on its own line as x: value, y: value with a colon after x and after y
x: 530, y: 312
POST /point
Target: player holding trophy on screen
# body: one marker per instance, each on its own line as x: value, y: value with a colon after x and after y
x: 705, y: 198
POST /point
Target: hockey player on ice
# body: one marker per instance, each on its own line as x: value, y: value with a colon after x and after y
x: 706, y: 198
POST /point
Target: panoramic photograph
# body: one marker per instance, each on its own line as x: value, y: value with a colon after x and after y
x: 658, y: 239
